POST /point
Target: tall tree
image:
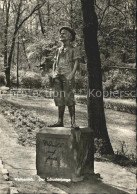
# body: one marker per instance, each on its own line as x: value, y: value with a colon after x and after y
x: 19, y: 10
x: 96, y: 115
x: 6, y: 8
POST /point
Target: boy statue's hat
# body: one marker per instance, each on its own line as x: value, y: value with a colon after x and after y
x: 70, y: 30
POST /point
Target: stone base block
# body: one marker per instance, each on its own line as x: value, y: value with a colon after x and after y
x: 64, y: 153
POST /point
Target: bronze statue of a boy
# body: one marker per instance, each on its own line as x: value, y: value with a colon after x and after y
x: 64, y: 69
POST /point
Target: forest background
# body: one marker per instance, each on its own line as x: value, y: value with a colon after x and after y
x: 29, y: 36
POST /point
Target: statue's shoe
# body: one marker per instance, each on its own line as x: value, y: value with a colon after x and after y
x: 56, y: 125
x: 74, y: 126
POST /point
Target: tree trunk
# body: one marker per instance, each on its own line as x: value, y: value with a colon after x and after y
x: 5, y: 45
x: 13, y: 44
x: 10, y: 60
x: 71, y: 13
x: 41, y: 22
x: 24, y: 49
x: 96, y: 115
x: 48, y: 12
x: 17, y: 27
x: 7, y: 7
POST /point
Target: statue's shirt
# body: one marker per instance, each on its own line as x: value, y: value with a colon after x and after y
x: 65, y: 59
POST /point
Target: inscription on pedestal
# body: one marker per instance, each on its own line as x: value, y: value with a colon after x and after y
x: 52, y: 148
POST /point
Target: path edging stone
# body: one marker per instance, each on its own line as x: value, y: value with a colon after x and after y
x: 5, y: 174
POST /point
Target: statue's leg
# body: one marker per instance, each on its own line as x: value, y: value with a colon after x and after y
x: 68, y: 86
x: 59, y: 101
x: 72, y: 116
x: 61, y: 110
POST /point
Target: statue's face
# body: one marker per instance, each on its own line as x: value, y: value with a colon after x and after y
x: 65, y: 36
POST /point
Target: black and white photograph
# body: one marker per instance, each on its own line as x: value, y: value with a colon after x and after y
x: 67, y: 96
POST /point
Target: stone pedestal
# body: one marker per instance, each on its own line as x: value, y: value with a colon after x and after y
x: 64, y: 153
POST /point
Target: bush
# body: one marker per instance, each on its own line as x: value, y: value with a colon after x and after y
x: 13, y: 78
x: 26, y: 123
x: 81, y: 84
x: 31, y: 80
x: 110, y: 104
x: 45, y: 82
x: 121, y: 80
x: 2, y: 79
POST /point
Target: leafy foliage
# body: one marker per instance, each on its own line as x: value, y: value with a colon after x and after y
x: 31, y: 80
x: 117, y: 30
x: 2, y: 79
x: 120, y: 80
x: 25, y: 122
x: 39, y: 35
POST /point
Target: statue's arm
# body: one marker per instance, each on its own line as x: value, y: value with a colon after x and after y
x: 76, y: 59
x: 54, y: 64
x: 72, y: 74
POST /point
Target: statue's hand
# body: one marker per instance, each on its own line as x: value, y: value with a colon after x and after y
x: 53, y: 75
x: 70, y: 76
